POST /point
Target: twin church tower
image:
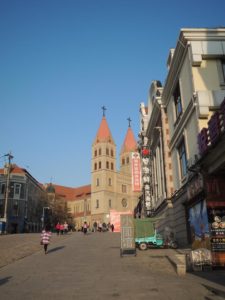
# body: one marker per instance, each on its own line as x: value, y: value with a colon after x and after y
x: 111, y: 189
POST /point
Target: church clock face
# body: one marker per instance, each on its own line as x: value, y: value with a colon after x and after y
x: 124, y: 202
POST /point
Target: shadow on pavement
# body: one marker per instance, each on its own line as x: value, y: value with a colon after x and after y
x: 5, y: 280
x: 216, y: 276
x: 56, y: 249
x: 215, y: 291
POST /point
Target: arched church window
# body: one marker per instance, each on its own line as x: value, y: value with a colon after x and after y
x: 99, y: 165
x: 95, y: 166
x: 112, y: 152
x: 123, y: 161
x: 112, y: 166
x: 96, y: 152
x: 110, y: 181
x: 107, y: 165
x: 107, y: 151
x: 97, y: 203
x: 110, y: 203
x: 99, y: 151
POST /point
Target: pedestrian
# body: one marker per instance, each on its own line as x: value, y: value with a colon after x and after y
x: 45, y: 238
x: 85, y: 227
x: 65, y: 228
x: 95, y: 225
x: 112, y: 227
x: 57, y: 227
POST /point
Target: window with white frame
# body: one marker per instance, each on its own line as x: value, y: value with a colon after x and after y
x: 177, y: 101
x: 17, y: 188
x: 182, y: 158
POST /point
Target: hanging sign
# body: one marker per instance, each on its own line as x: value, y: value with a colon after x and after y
x: 136, y: 172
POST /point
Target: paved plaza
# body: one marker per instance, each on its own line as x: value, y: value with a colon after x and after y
x: 90, y: 268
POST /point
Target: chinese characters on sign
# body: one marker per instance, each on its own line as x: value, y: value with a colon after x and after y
x: 146, y: 178
x: 136, y: 172
x: 127, y: 235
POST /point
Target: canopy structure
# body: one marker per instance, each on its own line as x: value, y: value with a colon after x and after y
x: 145, y: 227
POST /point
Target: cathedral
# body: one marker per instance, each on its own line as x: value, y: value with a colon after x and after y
x: 111, y: 192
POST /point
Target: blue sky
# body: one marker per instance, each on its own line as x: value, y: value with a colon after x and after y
x: 60, y: 61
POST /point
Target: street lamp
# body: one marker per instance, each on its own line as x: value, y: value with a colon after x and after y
x: 7, y: 189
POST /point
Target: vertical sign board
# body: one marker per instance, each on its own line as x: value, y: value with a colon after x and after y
x: 127, y: 235
x: 216, y: 215
x: 136, y: 172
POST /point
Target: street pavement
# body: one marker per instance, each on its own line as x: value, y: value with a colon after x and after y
x: 90, y: 268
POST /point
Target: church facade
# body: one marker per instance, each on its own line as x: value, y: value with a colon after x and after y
x: 111, y: 191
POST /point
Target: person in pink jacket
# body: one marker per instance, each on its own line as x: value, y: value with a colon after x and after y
x: 45, y: 238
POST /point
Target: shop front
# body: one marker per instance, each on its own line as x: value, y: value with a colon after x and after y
x: 206, y: 218
x: 215, y: 187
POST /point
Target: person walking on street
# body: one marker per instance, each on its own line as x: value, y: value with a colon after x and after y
x: 57, y: 227
x: 85, y: 227
x: 65, y: 228
x: 45, y: 238
x: 112, y: 227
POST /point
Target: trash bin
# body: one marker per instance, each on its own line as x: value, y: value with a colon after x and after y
x: 2, y: 227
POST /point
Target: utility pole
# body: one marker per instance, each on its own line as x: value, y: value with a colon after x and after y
x: 7, y: 190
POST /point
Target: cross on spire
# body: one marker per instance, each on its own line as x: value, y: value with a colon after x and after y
x: 103, y: 110
x: 129, y: 121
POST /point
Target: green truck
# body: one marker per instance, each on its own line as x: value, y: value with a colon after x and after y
x: 146, y: 235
